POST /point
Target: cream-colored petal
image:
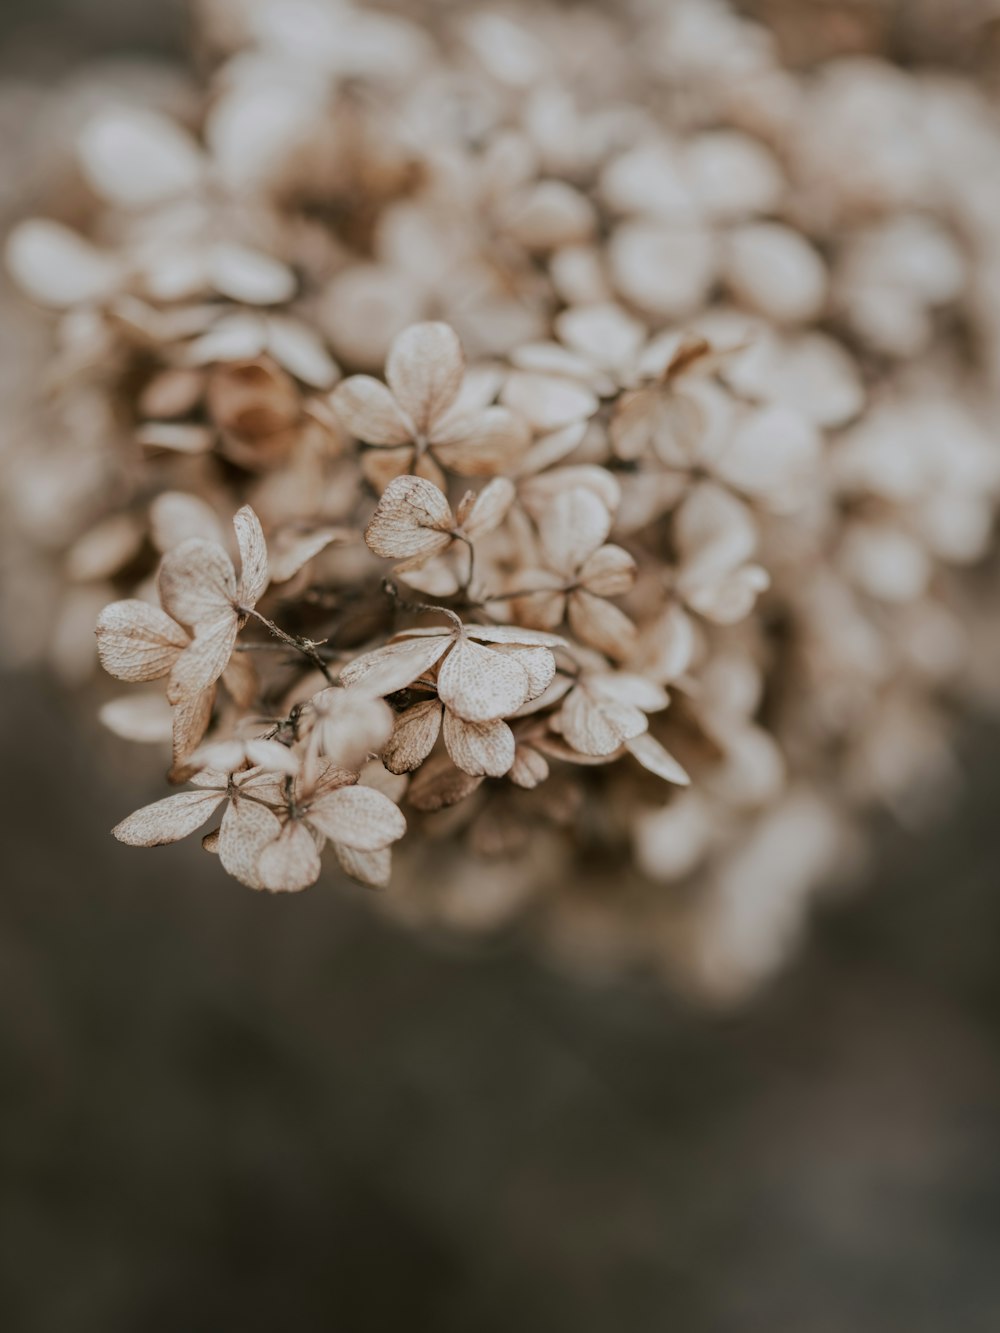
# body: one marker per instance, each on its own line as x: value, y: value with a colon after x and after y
x: 197, y: 583
x: 371, y: 868
x: 253, y: 557
x: 481, y: 685
x: 574, y: 525
x: 168, y: 820
x: 481, y: 749
x: 135, y: 158
x: 146, y: 718
x: 138, y: 642
x: 609, y: 572
x: 489, y: 508
x: 653, y: 757
x: 601, y: 625
x: 176, y: 517
x: 392, y: 668
x: 202, y: 663
x: 413, y: 518
x: 247, y: 828
x: 369, y: 411
x: 291, y: 862
x: 413, y: 737
x: 482, y: 444
x: 425, y: 369
x: 358, y: 817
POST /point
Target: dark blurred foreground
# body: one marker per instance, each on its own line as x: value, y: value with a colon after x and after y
x: 220, y: 1110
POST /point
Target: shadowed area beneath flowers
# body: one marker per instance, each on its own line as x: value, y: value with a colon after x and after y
x: 220, y: 1109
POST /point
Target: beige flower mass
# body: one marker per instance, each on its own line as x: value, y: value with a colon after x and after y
x: 552, y: 446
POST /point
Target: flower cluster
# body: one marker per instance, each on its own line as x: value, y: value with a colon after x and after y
x: 606, y: 411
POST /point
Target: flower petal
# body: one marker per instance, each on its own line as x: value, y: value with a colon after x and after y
x: 481, y: 685
x: 371, y: 868
x: 197, y: 583
x: 168, y: 820
x: 247, y: 829
x: 575, y: 524
x: 204, y: 660
x: 412, y: 518
x: 290, y: 863
x: 601, y: 625
x: 425, y: 369
x: 358, y: 817
x: 370, y: 412
x: 481, y: 749
x: 651, y: 754
x: 136, y: 641
x: 482, y: 444
x: 397, y: 665
x: 253, y: 557
x: 413, y: 737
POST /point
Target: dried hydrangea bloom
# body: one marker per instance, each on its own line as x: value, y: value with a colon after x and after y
x: 609, y: 416
x: 428, y: 416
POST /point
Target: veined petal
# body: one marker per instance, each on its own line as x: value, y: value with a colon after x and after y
x: 290, y: 863
x: 481, y: 749
x: 370, y: 412
x: 412, y: 518
x: 413, y: 737
x: 136, y: 641
x: 358, y: 817
x: 168, y: 820
x: 480, y: 684
x: 197, y: 583
x: 247, y: 828
x: 202, y: 663
x: 371, y: 868
x: 253, y: 557
x: 424, y: 370
x: 482, y: 443
x: 397, y: 665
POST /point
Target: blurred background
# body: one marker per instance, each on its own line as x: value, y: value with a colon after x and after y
x: 221, y: 1110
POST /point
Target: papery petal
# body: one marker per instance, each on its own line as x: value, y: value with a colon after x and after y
x: 481, y: 685
x: 392, y: 668
x: 168, y: 820
x: 370, y: 412
x: 204, y: 660
x: 146, y: 718
x: 135, y: 158
x: 489, y: 508
x: 598, y: 726
x: 609, y: 572
x: 413, y: 518
x: 651, y: 754
x: 530, y: 768
x: 601, y: 625
x: 290, y: 863
x: 574, y: 525
x: 371, y: 868
x: 358, y: 817
x: 58, y: 268
x: 192, y: 714
x: 138, y: 642
x: 548, y: 402
x: 439, y: 785
x: 425, y: 369
x: 176, y: 517
x: 481, y: 749
x: 197, y: 583
x: 247, y: 828
x: 253, y: 557
x: 413, y: 738
x: 482, y: 444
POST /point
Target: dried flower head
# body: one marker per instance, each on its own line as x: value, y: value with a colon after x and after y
x: 607, y: 413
